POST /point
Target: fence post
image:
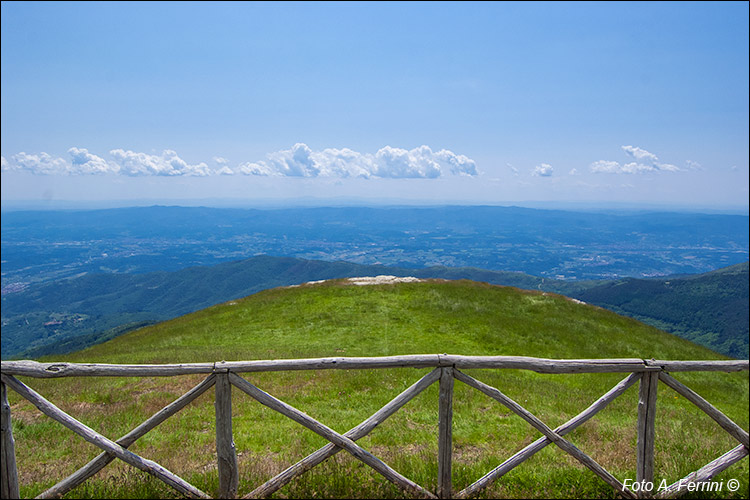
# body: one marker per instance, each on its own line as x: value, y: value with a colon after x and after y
x: 8, y: 453
x: 646, y: 419
x: 225, y: 451
x: 445, y: 433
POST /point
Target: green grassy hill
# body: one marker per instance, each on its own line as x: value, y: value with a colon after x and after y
x: 710, y: 309
x: 69, y: 315
x: 339, y: 319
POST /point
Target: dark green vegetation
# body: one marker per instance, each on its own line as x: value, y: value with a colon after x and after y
x: 68, y: 315
x: 334, y: 319
x: 710, y: 309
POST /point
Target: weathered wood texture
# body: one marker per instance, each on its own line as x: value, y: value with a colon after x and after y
x: 445, y: 433
x: 540, y: 443
x: 541, y: 365
x: 331, y: 435
x: 327, y: 451
x: 725, y: 422
x: 565, y: 445
x: 646, y: 426
x: 128, y: 439
x: 705, y: 473
x: 343, y: 363
x: 8, y: 470
x: 229, y: 474
x: 731, y: 365
x: 102, y: 442
x: 446, y: 368
x: 54, y: 370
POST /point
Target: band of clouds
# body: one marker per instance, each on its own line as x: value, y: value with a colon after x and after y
x: 644, y: 162
x: 302, y: 162
x: 420, y: 163
x: 299, y: 161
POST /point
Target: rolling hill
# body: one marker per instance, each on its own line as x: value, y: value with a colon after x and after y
x: 68, y: 315
x: 336, y: 318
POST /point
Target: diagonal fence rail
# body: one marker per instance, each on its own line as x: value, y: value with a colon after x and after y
x: 446, y: 369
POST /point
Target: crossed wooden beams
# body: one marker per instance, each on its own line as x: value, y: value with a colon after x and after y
x: 223, y: 379
x: 113, y: 449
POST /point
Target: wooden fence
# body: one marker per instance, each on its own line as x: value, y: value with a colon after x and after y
x: 447, y: 368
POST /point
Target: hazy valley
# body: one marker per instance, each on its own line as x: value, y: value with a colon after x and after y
x: 74, y: 278
x: 41, y: 246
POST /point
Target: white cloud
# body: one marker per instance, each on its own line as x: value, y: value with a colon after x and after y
x: 4, y: 165
x: 87, y: 163
x: 295, y: 162
x: 574, y: 171
x: 605, y: 166
x: 40, y: 164
x: 223, y: 167
x: 668, y: 167
x: 344, y: 163
x: 457, y: 164
x: 255, y: 169
x: 543, y: 170
x: 694, y: 165
x: 635, y: 168
x: 400, y: 163
x: 82, y: 163
x: 225, y: 170
x: 640, y: 154
x: 388, y: 162
x: 613, y: 167
x: 169, y: 164
x: 644, y: 162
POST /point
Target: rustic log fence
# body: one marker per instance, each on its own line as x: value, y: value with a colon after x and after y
x: 446, y: 368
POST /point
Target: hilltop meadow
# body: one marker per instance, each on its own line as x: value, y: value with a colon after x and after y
x: 336, y: 319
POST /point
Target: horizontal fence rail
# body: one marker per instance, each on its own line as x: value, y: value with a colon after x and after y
x: 224, y: 375
x: 539, y: 365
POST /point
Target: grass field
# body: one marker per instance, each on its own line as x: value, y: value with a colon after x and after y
x: 332, y: 319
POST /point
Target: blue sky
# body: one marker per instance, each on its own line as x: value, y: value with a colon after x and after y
x: 598, y: 103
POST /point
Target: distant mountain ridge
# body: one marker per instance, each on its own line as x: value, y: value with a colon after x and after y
x: 68, y: 315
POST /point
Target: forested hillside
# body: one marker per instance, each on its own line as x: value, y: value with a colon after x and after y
x: 710, y: 309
